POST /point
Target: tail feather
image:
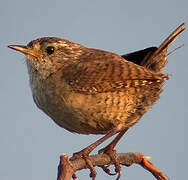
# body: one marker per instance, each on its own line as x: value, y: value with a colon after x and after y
x: 154, y: 58
x: 158, y: 60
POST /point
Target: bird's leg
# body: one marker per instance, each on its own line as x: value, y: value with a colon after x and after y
x: 86, y: 151
x: 109, y: 149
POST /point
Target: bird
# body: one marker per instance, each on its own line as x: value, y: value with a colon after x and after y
x: 92, y: 91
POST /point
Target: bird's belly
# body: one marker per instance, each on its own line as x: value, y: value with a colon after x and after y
x: 97, y: 113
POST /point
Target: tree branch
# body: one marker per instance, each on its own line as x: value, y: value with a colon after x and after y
x: 67, y: 168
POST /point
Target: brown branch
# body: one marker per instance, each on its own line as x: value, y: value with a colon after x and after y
x: 67, y: 168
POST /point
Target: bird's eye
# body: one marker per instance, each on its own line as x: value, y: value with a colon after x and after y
x: 50, y: 50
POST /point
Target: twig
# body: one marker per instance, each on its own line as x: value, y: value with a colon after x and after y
x: 67, y: 168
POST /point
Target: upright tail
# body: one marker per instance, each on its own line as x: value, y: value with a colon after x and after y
x: 154, y: 58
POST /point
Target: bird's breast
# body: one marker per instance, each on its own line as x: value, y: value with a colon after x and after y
x: 96, y: 113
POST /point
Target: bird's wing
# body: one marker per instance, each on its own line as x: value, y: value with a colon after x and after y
x: 100, y: 71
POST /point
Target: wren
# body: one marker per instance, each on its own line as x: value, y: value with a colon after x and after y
x: 91, y: 91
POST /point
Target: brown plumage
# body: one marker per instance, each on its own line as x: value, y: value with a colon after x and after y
x: 92, y: 91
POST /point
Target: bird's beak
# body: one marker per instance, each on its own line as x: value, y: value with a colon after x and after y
x: 26, y: 50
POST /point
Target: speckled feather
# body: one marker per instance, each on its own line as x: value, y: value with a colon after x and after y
x: 92, y: 91
x: 100, y: 71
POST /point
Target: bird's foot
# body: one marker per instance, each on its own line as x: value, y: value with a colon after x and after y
x: 113, y: 156
x: 85, y: 155
x: 107, y: 170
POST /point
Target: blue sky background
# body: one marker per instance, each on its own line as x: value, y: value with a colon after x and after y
x: 31, y: 143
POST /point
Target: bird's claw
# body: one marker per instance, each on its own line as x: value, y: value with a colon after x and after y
x: 107, y: 170
x: 113, y: 156
x: 84, y: 155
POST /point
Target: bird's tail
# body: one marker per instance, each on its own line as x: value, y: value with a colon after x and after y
x: 157, y: 60
x: 154, y: 58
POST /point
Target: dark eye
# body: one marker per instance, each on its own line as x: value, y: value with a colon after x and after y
x: 50, y: 50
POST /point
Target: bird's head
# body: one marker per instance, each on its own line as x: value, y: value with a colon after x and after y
x: 48, y: 54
